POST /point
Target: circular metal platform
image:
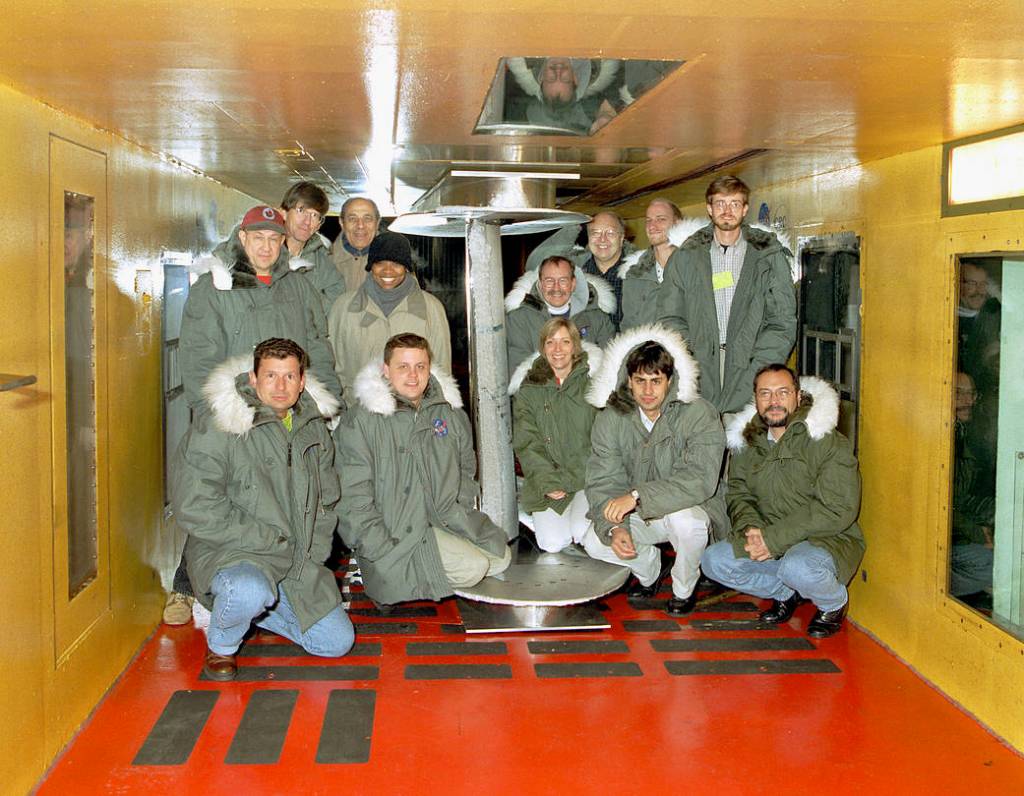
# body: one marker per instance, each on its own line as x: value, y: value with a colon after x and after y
x: 549, y: 579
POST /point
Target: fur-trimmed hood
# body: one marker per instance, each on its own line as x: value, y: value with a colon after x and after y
x: 590, y: 290
x: 232, y: 404
x: 374, y: 394
x: 304, y: 261
x: 677, y: 235
x: 543, y: 371
x: 758, y: 236
x: 229, y: 266
x: 610, y: 386
x: 818, y: 411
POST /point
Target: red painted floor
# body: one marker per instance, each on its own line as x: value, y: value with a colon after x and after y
x: 872, y: 727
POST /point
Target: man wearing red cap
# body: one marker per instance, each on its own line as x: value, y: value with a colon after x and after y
x: 247, y: 292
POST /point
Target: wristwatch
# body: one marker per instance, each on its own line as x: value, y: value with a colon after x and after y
x: 635, y: 495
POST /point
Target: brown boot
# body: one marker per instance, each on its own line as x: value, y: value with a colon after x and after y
x: 220, y: 667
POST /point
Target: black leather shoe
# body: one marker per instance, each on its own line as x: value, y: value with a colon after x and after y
x: 677, y: 607
x: 826, y: 623
x: 780, y: 610
x: 220, y: 667
x: 637, y: 591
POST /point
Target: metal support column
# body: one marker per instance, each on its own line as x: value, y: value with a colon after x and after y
x: 488, y: 373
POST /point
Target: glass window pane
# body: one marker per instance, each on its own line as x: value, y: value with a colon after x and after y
x: 976, y: 432
x: 80, y: 380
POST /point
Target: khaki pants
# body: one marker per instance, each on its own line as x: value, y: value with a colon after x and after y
x: 686, y: 530
x: 464, y: 563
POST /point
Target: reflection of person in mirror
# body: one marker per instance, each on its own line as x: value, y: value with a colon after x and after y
x: 78, y: 233
x: 569, y: 92
x: 970, y: 560
x: 978, y: 321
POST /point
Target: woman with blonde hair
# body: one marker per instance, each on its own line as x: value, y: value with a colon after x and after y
x: 551, y: 436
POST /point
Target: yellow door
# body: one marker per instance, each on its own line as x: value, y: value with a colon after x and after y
x: 80, y: 567
x: 55, y: 596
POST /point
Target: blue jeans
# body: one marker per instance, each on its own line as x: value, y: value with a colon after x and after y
x: 804, y: 568
x: 242, y: 594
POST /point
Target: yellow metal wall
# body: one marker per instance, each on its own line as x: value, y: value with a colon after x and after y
x: 152, y: 205
x: 907, y: 277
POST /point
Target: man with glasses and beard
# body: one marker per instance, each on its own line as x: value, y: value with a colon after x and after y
x: 794, y: 496
x: 728, y: 291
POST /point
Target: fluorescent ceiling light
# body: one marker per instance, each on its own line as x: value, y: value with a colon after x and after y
x: 530, y: 175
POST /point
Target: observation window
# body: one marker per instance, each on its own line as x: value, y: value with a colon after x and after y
x: 987, y: 490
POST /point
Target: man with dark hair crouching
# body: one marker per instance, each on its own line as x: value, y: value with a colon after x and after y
x: 794, y: 495
x: 254, y: 485
x: 653, y: 472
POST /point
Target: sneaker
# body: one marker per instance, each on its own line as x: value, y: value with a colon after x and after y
x: 177, y: 609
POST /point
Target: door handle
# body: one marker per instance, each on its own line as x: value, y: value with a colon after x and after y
x: 9, y: 381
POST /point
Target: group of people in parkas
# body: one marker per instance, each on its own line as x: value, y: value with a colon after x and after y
x: 259, y: 488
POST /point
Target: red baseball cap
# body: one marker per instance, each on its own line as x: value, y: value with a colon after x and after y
x: 264, y: 217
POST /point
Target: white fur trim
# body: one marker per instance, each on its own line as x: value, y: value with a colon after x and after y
x: 524, y: 76
x: 324, y: 240
x: 737, y: 425
x: 230, y: 411
x: 213, y: 265
x: 594, y: 357
x: 684, y: 228
x: 824, y: 415
x: 374, y: 394
x: 520, y: 373
x: 523, y: 285
x: 607, y: 379
x: 629, y: 261
x: 297, y: 263
x: 605, y: 295
x: 609, y: 69
x: 821, y: 420
x: 677, y: 234
x: 787, y: 243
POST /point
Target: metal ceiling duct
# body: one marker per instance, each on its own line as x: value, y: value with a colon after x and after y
x: 518, y: 205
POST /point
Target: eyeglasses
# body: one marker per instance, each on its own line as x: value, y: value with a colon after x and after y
x: 732, y: 204
x: 562, y: 281
x: 975, y: 284
x: 310, y: 215
x: 611, y: 234
x: 783, y: 393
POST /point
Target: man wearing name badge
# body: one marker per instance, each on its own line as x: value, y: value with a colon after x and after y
x: 729, y: 292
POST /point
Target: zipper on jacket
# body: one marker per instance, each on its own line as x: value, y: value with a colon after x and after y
x: 289, y: 453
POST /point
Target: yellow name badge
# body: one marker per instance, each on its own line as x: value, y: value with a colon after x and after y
x: 721, y: 280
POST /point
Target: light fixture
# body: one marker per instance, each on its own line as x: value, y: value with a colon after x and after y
x: 984, y: 173
x: 527, y: 175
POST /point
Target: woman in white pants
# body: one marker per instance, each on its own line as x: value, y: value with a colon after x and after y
x: 551, y: 432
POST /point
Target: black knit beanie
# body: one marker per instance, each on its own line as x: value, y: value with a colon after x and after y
x: 390, y: 246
